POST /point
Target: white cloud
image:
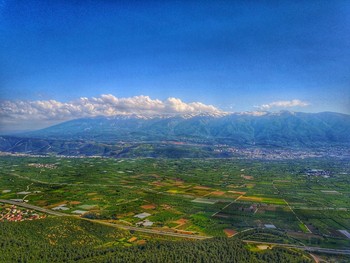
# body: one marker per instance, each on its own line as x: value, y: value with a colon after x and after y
x: 283, y: 104
x: 52, y: 111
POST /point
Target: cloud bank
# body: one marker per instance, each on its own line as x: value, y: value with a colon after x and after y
x: 106, y: 105
x: 283, y: 104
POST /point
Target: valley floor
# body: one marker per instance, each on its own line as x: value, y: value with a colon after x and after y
x: 301, y: 204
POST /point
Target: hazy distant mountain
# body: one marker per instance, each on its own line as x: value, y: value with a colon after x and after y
x: 273, y: 129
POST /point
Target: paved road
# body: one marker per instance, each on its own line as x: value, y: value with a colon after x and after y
x: 306, y: 248
x: 139, y: 229
x: 160, y: 232
x: 33, y: 207
x: 150, y: 231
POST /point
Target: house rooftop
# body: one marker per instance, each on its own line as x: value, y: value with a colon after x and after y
x: 142, y: 215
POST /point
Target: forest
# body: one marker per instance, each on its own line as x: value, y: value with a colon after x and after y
x: 76, y: 240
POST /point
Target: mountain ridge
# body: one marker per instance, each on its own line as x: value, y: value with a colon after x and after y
x: 282, y: 128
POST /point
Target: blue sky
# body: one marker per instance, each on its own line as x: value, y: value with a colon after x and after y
x: 233, y: 55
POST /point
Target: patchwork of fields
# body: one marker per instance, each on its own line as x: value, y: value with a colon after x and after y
x: 275, y: 200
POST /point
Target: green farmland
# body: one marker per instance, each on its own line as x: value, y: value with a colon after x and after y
x: 267, y: 200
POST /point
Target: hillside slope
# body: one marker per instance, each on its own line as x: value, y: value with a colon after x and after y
x: 282, y: 129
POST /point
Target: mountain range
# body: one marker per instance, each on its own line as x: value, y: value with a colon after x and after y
x: 282, y: 129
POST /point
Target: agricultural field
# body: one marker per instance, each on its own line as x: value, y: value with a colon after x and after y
x: 294, y: 201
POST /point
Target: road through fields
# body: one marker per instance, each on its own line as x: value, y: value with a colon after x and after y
x: 173, y: 234
x: 139, y: 229
x: 306, y: 248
